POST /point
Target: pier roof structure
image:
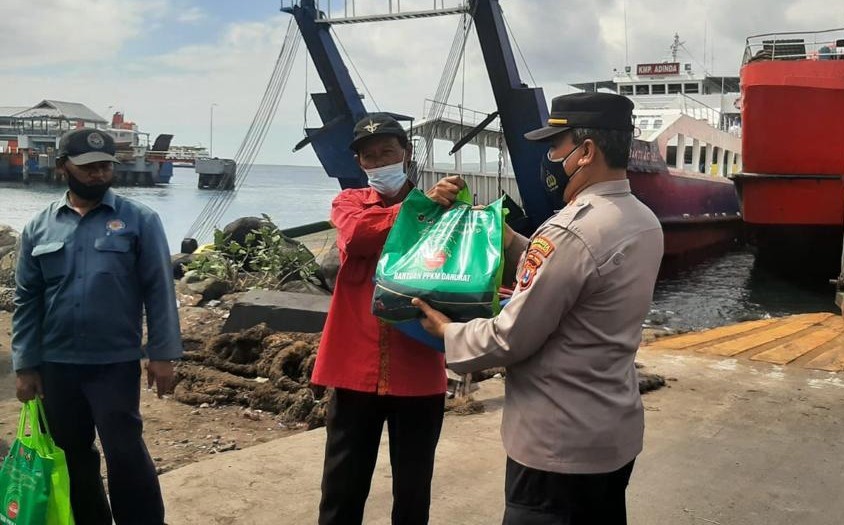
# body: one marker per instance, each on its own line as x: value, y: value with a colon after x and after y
x: 59, y: 110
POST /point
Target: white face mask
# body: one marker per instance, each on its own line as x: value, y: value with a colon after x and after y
x: 387, y: 180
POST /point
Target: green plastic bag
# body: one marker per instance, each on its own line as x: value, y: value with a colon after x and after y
x: 34, y: 481
x: 452, y: 259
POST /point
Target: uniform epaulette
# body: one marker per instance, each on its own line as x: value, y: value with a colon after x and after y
x: 572, y: 212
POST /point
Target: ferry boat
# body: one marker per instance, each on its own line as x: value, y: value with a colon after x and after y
x: 29, y: 140
x: 791, y: 190
x: 689, y: 129
x: 186, y: 156
x: 141, y: 163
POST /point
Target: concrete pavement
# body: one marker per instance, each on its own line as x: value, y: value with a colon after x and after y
x: 731, y: 442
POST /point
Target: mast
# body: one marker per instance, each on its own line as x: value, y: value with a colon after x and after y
x: 339, y: 107
x: 520, y: 108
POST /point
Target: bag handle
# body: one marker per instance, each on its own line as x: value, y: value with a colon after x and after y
x: 32, y: 413
x: 465, y: 196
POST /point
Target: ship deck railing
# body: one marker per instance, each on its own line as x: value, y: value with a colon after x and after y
x: 458, y: 113
x: 795, y: 45
x: 347, y: 12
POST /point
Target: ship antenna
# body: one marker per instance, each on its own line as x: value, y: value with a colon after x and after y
x: 626, y: 48
x: 675, y: 46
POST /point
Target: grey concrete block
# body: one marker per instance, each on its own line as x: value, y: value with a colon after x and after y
x: 283, y: 311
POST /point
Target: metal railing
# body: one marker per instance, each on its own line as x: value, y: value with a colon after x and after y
x: 795, y: 45
x: 457, y: 113
x: 686, y: 104
x: 346, y: 9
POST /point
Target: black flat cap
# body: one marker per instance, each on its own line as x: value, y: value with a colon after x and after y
x: 586, y: 110
x: 86, y: 146
x: 376, y: 124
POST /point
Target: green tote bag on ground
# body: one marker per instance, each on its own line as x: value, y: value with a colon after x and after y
x: 450, y: 258
x: 34, y: 482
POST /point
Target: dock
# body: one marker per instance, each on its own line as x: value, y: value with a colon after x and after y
x: 814, y: 341
x: 727, y: 441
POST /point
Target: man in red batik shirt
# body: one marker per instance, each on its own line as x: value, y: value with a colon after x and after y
x: 378, y: 373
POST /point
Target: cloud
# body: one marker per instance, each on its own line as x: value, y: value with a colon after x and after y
x: 191, y: 15
x: 37, y: 33
x: 401, y: 62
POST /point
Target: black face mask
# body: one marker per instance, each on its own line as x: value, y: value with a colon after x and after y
x: 556, y: 178
x: 553, y: 177
x: 92, y: 192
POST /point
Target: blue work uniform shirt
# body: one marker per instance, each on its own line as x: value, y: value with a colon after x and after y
x: 83, y: 283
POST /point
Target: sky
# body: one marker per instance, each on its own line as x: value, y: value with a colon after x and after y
x: 168, y: 64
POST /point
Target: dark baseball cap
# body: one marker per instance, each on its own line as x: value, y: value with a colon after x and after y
x: 86, y: 146
x: 586, y: 110
x: 376, y: 124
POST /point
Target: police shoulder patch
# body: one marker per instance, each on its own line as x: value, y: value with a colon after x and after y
x: 543, y: 245
x: 530, y: 266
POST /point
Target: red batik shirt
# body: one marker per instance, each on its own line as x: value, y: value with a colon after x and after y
x: 358, y: 351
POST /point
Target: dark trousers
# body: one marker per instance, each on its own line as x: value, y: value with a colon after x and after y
x: 354, y: 423
x: 81, y: 398
x: 536, y: 497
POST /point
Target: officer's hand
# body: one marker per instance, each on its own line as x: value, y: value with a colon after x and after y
x: 445, y: 190
x: 28, y: 385
x: 160, y: 373
x: 508, y: 235
x: 434, y: 321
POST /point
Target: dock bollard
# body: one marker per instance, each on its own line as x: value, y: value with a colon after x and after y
x: 189, y: 245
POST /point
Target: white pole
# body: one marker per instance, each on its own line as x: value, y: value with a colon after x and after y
x: 211, y: 140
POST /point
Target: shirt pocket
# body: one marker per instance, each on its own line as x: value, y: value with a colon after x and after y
x: 113, y: 255
x: 51, y: 259
x: 613, y: 263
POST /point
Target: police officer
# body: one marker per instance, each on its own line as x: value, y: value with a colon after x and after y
x: 573, y: 421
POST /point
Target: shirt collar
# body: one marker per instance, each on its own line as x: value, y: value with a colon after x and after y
x: 109, y: 199
x: 612, y: 187
x: 373, y: 197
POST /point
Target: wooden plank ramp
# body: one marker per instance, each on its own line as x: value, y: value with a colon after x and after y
x: 813, y: 341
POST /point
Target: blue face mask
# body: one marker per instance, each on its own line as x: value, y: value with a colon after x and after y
x: 387, y: 180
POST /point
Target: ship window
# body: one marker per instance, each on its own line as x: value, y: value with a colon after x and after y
x: 658, y: 89
x: 657, y: 123
x: 691, y: 88
x: 675, y: 88
x: 625, y: 90
x: 643, y: 89
x: 643, y: 124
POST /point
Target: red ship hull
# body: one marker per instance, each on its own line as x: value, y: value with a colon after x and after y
x: 699, y: 214
x: 791, y: 191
